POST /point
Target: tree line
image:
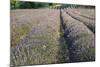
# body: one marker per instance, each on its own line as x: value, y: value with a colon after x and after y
x: 16, y: 4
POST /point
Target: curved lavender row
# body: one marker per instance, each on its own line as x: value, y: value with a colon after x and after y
x: 88, y: 22
x: 79, y: 38
x: 83, y: 15
x: 41, y: 45
x: 87, y: 13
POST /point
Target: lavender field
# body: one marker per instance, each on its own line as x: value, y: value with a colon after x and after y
x: 49, y: 36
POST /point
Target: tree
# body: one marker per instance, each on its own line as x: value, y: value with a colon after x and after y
x: 14, y: 4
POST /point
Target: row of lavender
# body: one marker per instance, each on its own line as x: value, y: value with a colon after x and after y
x: 45, y: 36
x: 42, y: 44
x: 79, y: 35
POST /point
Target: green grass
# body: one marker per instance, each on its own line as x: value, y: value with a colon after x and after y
x: 19, y: 33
